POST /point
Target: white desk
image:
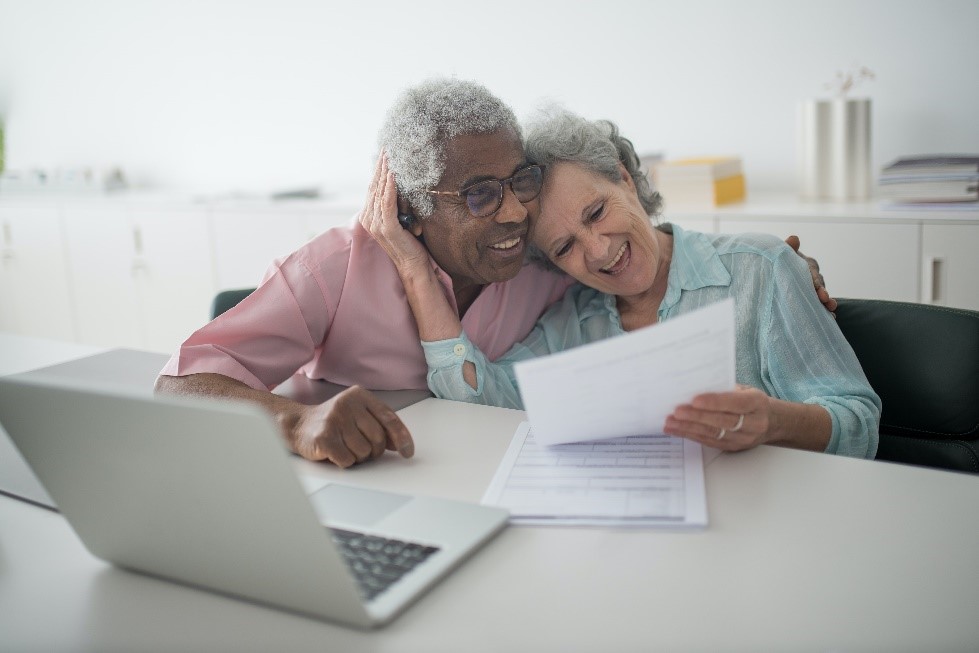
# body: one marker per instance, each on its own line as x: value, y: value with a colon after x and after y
x: 803, y: 552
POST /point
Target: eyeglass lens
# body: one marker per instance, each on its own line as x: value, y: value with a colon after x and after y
x: 486, y: 197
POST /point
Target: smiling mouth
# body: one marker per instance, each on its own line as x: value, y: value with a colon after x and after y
x: 505, y: 245
x: 613, y: 266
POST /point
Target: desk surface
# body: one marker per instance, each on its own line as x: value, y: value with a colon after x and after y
x: 803, y: 551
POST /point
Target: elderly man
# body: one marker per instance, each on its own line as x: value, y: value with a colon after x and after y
x: 336, y: 309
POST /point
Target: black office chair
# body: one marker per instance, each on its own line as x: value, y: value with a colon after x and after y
x: 923, y: 361
x: 227, y: 299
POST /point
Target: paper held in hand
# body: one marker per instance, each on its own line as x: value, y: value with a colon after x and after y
x: 628, y: 385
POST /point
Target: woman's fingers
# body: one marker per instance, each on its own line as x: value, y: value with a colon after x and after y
x: 728, y: 420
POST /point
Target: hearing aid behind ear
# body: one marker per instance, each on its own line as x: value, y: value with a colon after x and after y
x: 407, y: 220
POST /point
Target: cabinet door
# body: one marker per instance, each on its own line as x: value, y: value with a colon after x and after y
x: 335, y: 216
x: 174, y: 275
x: 246, y: 242
x: 103, y: 267
x: 35, y: 298
x: 950, y: 265
x: 860, y: 260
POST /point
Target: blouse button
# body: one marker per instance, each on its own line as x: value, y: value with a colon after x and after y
x: 459, y: 350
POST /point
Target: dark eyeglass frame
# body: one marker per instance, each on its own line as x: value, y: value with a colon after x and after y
x: 500, y: 183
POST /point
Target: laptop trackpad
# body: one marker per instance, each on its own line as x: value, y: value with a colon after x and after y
x: 354, y: 505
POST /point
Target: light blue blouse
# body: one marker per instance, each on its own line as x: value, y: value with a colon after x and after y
x: 787, y: 343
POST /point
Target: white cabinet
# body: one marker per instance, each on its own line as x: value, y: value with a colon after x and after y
x: 136, y: 271
x: 950, y: 265
x: 175, y: 274
x: 246, y: 242
x: 141, y: 277
x: 140, y: 272
x: 863, y: 250
x: 34, y: 295
x: 856, y: 259
x: 102, y: 275
x: 248, y: 239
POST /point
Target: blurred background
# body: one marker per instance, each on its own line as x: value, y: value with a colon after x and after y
x: 209, y: 107
x: 220, y: 96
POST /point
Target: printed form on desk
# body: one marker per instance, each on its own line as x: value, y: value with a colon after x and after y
x: 593, y: 452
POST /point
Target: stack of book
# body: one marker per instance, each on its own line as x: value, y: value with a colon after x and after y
x: 699, y: 183
x: 948, y: 180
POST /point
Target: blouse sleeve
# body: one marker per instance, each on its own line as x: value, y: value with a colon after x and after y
x: 807, y: 359
x: 496, y: 385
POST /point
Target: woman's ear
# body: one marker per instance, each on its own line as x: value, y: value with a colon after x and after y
x: 626, y: 177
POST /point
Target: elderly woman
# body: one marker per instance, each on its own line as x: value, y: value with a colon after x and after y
x: 801, y: 384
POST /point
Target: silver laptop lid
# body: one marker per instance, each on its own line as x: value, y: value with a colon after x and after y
x: 136, y: 371
x: 136, y: 477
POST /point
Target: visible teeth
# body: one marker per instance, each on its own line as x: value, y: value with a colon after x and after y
x: 616, y: 259
x: 507, y: 244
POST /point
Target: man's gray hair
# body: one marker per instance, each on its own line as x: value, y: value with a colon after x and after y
x: 560, y: 135
x: 423, y: 120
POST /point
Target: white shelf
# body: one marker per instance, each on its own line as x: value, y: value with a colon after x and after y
x: 759, y: 206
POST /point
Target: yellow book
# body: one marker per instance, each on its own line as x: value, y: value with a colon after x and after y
x: 702, y: 192
x: 712, y: 167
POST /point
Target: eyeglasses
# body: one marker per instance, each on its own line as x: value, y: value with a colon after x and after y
x: 485, y: 197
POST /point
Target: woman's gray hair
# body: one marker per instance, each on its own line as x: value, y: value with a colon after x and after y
x: 423, y: 120
x: 563, y: 136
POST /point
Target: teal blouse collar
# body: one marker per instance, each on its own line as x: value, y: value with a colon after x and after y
x: 696, y: 264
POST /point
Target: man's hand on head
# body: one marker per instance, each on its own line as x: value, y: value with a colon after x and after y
x: 817, y: 278
x: 350, y: 428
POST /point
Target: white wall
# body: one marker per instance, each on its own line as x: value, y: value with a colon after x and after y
x: 221, y: 96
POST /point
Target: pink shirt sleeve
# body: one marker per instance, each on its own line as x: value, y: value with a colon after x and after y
x: 336, y: 310
x: 269, y: 335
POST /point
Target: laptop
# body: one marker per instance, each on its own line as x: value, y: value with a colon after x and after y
x: 202, y: 492
x: 133, y: 369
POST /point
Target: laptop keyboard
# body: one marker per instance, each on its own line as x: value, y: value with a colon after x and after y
x: 378, y: 562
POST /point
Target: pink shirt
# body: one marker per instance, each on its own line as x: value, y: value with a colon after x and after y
x: 335, y: 309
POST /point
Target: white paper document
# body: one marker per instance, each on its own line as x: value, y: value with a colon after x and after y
x: 652, y: 480
x: 629, y: 384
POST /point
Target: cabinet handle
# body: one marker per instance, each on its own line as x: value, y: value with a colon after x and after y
x: 138, y: 241
x: 932, y: 286
x: 8, y: 235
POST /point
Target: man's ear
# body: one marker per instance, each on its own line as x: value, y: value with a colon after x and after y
x: 413, y: 223
x: 626, y: 177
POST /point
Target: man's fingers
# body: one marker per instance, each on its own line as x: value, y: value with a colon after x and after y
x: 341, y: 457
x: 828, y: 302
x: 333, y: 448
x: 390, y: 201
x: 793, y: 242
x: 373, y: 433
x: 376, y: 178
x: 397, y: 437
x: 355, y: 442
